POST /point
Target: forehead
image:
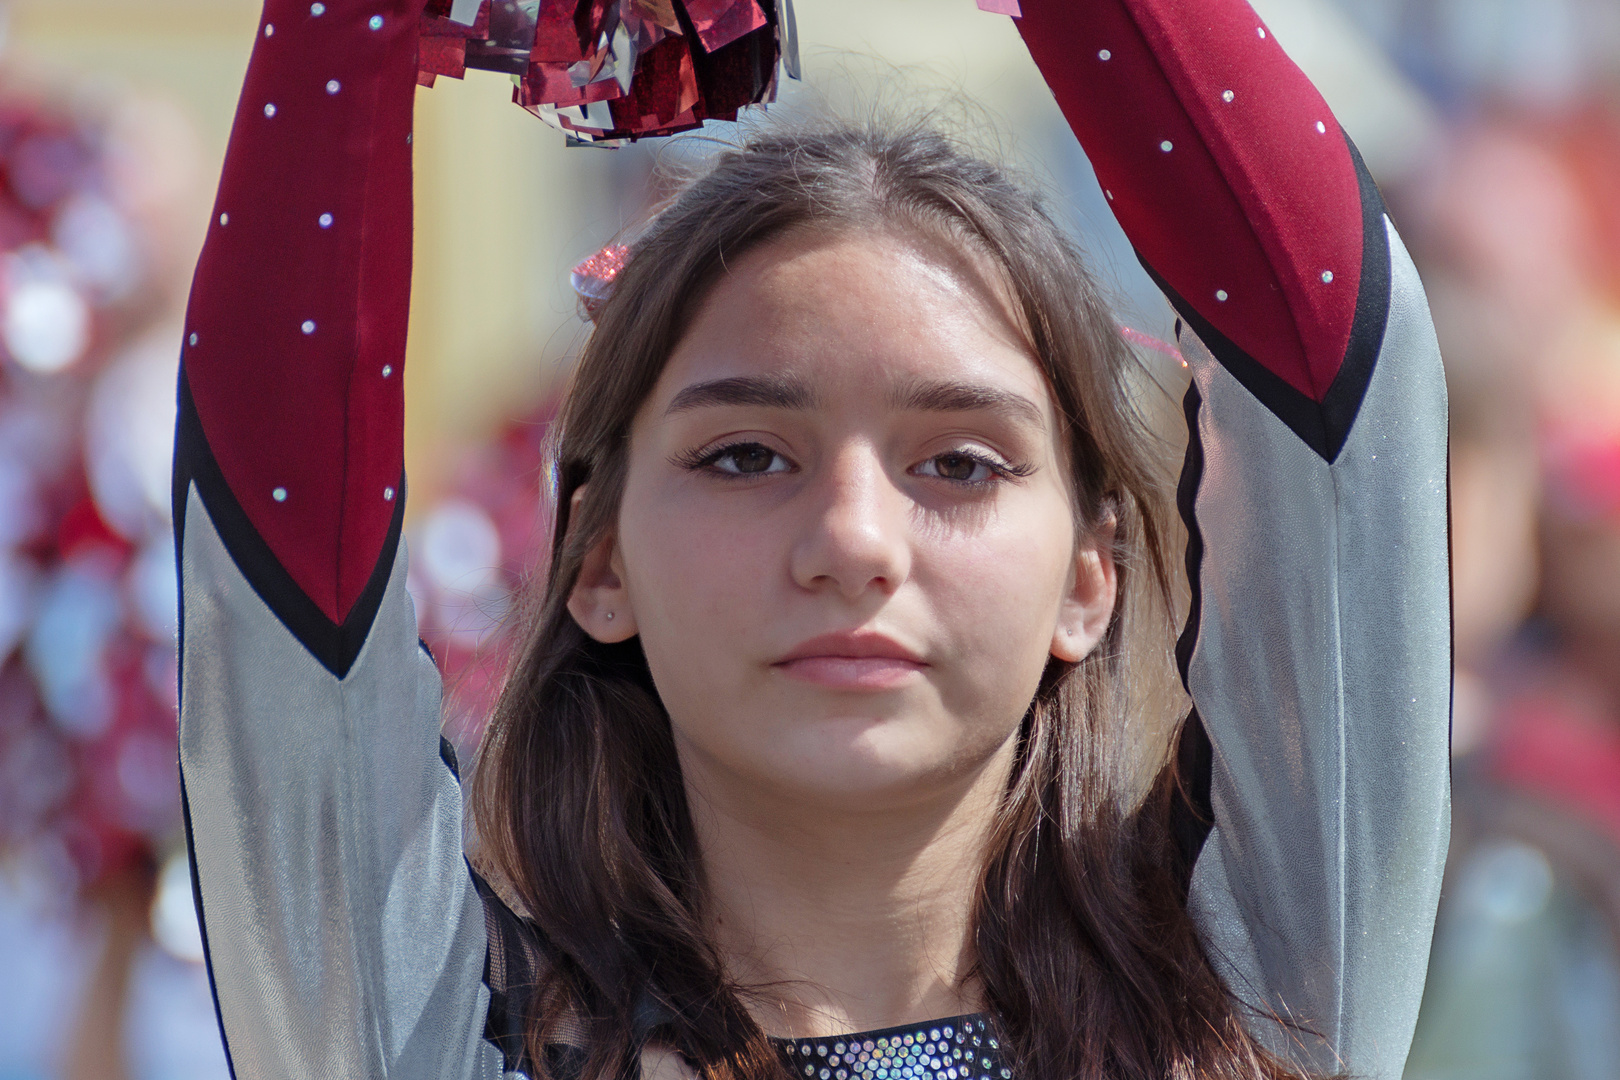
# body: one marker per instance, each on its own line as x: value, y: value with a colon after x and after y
x: 857, y: 313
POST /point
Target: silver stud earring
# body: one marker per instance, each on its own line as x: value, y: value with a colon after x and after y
x: 610, y: 616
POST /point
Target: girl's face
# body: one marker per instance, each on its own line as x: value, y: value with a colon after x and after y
x: 847, y: 539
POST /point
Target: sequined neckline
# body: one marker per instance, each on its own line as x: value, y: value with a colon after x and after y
x: 960, y: 1048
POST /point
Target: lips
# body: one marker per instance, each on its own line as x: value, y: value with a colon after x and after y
x: 852, y: 661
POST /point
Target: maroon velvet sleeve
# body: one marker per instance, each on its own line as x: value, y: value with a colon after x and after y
x: 295, y: 335
x: 1223, y: 165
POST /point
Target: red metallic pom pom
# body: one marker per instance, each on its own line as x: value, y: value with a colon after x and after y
x: 609, y: 70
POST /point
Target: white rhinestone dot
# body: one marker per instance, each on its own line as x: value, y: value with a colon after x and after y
x: 326, y: 221
x: 1166, y: 146
x: 1321, y: 128
x: 269, y: 110
x: 308, y: 327
x: 376, y: 22
x: 224, y: 219
x: 388, y: 369
x: 317, y: 10
x: 1227, y: 95
x: 193, y: 340
x: 388, y: 494
x: 269, y: 29
x: 280, y: 494
x: 1108, y: 193
x: 407, y: 138
x: 1327, y: 277
x: 1104, y: 54
x: 333, y: 86
x: 1220, y: 294
x: 1260, y: 30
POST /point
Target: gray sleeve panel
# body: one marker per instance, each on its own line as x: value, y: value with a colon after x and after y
x: 345, y: 936
x: 1322, y: 672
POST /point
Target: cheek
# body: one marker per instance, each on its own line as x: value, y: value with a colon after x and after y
x: 995, y: 596
x: 698, y: 581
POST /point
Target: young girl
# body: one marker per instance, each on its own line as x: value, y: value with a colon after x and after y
x: 813, y: 762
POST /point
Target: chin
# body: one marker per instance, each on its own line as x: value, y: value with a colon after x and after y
x: 874, y: 759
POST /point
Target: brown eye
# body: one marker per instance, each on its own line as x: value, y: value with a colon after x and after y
x: 749, y: 459
x: 957, y: 467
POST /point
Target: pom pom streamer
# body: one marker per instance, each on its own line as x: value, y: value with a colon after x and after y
x: 607, y: 71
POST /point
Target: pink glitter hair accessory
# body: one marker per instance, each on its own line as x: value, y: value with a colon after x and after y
x: 593, y: 279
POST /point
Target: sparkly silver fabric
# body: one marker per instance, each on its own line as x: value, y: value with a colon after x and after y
x: 344, y: 934
x: 1322, y: 673
x: 961, y: 1048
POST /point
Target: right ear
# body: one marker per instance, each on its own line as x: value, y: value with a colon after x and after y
x: 600, y: 603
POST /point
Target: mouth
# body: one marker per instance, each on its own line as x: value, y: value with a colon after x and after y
x: 852, y: 661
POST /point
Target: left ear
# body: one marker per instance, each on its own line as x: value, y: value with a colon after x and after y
x: 1088, y: 606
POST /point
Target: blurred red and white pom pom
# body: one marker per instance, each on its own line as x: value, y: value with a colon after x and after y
x: 88, y: 594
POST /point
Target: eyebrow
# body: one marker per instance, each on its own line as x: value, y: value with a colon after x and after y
x: 968, y: 397
x: 771, y: 392
x: 778, y: 392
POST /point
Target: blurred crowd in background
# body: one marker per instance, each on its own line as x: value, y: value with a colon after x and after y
x: 1493, y: 127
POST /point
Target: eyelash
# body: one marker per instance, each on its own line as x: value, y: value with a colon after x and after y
x: 1000, y: 470
x: 696, y: 460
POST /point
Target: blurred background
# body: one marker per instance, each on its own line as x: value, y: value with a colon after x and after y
x: 1492, y: 125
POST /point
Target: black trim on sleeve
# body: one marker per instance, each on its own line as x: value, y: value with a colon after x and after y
x: 335, y: 646
x: 447, y: 754
x: 1302, y: 415
x: 1192, y: 815
x: 202, y: 926
x: 1343, y: 400
x: 1192, y: 474
x: 1192, y: 812
x: 1323, y: 426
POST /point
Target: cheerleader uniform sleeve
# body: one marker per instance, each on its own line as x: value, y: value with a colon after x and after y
x: 1318, y: 650
x: 344, y: 933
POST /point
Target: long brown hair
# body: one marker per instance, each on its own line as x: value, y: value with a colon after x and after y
x: 1088, y: 961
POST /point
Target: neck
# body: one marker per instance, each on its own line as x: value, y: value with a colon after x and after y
x: 847, y: 919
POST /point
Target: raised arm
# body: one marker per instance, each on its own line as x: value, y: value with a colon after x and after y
x: 344, y: 934
x: 1318, y: 648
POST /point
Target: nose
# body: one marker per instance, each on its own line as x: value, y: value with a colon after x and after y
x: 856, y: 537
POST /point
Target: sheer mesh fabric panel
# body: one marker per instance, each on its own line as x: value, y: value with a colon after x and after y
x: 512, y: 968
